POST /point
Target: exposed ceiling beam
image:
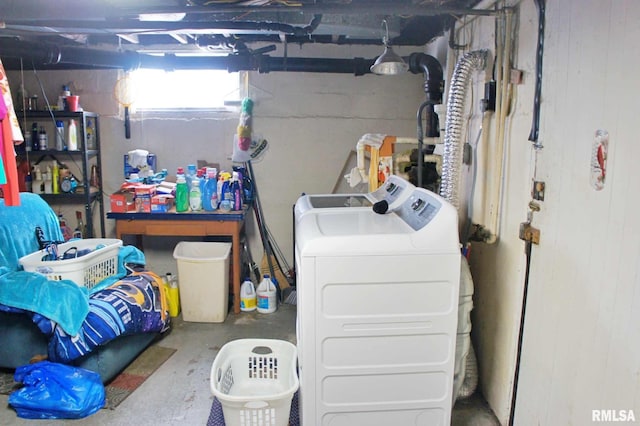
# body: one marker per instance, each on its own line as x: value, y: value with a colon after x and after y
x: 131, y: 38
x: 179, y: 38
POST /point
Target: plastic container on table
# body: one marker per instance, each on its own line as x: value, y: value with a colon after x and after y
x: 182, y: 195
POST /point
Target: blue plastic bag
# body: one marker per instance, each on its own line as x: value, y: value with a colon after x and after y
x: 56, y: 391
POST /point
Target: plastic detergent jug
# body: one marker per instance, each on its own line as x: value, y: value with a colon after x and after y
x: 248, y: 298
x: 191, y: 174
x: 182, y: 194
x: 195, y: 196
x: 266, y: 292
x: 173, y: 294
x: 210, y: 195
x: 236, y: 192
x: 226, y: 196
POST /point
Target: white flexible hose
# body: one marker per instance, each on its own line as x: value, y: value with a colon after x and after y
x: 475, y: 60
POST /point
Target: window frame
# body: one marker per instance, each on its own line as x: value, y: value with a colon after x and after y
x: 230, y: 107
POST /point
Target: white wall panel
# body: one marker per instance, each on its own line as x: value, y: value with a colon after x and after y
x: 582, y: 340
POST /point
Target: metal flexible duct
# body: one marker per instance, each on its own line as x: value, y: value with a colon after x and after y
x: 475, y: 60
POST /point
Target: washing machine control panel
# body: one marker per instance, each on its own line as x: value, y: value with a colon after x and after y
x: 419, y: 209
x: 392, y: 189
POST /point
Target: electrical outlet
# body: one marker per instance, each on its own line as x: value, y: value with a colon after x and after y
x: 488, y: 103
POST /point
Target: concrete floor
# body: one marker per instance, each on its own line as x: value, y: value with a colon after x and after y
x: 178, y: 392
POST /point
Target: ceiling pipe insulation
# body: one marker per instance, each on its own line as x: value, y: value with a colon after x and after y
x: 150, y: 27
x: 15, y: 9
x: 48, y: 56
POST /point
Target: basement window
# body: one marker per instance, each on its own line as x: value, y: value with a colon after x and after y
x: 189, y: 90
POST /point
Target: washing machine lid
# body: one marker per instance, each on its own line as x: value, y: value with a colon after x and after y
x: 423, y: 222
x: 395, y: 190
x: 338, y: 200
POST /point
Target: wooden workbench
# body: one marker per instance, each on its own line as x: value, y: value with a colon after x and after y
x: 194, y: 224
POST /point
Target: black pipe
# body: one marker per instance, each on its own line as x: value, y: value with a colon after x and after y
x: 433, y: 88
x: 421, y: 141
x: 535, y: 125
x: 42, y: 55
x: 523, y: 310
x: 432, y: 70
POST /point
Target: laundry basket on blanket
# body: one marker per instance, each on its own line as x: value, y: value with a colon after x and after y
x: 254, y: 380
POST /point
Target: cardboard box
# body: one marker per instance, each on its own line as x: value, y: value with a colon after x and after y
x: 166, y: 188
x: 143, y: 194
x: 161, y: 203
x: 144, y: 190
x: 122, y: 201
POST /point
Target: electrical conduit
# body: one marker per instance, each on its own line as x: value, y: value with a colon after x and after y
x: 475, y: 60
x: 503, y: 72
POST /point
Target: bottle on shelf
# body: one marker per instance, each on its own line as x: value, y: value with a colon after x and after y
x: 35, y: 145
x: 43, y: 140
x: 27, y: 141
x: 91, y: 138
x: 195, y: 196
x: 210, y: 194
x: 180, y: 172
x: 48, y: 184
x: 55, y: 178
x: 79, y: 232
x: 72, y: 138
x: 203, y: 179
x: 59, y: 135
x: 67, y: 234
x: 37, y: 183
x: 93, y: 179
x: 236, y: 192
x: 182, y: 194
x: 224, y: 193
x: 62, y: 99
x: 191, y: 173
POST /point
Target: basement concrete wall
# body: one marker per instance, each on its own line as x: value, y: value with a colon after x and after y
x: 580, y: 358
x: 311, y: 122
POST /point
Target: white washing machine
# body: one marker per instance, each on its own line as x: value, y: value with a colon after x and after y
x: 377, y: 308
x: 394, y: 191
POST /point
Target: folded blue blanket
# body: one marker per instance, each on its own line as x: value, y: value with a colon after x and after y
x: 135, y: 304
x: 61, y: 301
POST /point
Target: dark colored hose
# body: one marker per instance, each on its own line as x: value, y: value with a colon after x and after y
x: 535, y: 125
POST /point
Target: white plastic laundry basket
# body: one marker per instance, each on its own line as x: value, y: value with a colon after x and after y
x: 85, y: 271
x: 254, y: 380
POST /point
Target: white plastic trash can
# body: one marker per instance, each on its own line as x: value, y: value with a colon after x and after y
x: 203, y: 280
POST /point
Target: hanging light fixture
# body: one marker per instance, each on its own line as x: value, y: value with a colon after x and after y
x: 389, y: 63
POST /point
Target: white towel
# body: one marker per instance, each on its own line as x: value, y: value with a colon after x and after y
x: 374, y: 140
